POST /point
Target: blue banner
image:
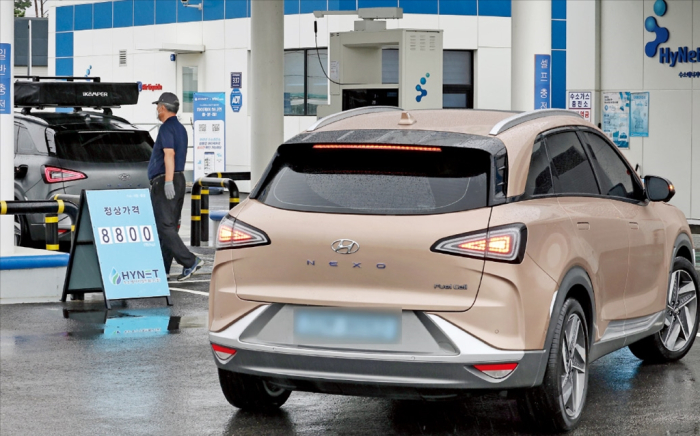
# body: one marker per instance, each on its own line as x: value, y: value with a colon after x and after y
x: 6, y: 102
x: 126, y: 240
x: 543, y: 81
x: 209, y: 133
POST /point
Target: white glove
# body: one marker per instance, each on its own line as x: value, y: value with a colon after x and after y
x: 169, y: 190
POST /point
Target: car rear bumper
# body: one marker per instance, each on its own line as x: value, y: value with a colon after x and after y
x: 446, y: 372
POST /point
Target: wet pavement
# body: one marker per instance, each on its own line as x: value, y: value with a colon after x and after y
x: 143, y: 368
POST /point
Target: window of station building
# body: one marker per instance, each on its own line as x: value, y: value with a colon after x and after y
x: 305, y: 84
x: 190, y: 85
x: 457, y: 88
x: 457, y: 83
x: 390, y: 66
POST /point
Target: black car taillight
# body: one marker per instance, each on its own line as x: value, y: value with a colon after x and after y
x: 234, y: 233
x: 56, y: 175
x: 503, y: 244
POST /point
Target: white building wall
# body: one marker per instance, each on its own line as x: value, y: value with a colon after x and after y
x: 227, y: 45
x: 618, y: 63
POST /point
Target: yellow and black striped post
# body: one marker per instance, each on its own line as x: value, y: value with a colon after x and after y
x: 196, y: 215
x: 204, y: 224
x: 51, y: 225
x: 199, y: 232
x: 72, y: 199
x: 49, y: 207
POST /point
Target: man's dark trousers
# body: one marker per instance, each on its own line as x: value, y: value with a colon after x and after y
x: 167, y: 213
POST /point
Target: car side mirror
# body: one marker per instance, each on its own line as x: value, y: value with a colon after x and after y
x: 658, y: 188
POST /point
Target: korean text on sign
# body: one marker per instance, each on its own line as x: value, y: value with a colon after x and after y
x: 5, y: 79
x: 579, y: 100
x: 543, y: 81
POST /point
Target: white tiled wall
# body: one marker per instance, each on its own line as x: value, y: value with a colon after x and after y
x: 672, y: 149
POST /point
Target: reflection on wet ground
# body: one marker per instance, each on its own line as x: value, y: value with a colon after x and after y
x: 145, y: 369
x: 113, y: 324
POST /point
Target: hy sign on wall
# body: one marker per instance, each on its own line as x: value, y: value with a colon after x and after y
x: 667, y: 55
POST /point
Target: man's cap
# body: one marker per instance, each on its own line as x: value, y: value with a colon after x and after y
x: 168, y: 98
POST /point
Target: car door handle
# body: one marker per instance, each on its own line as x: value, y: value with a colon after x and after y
x: 633, y: 225
x: 583, y: 226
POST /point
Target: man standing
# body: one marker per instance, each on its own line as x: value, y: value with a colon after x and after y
x: 165, y: 171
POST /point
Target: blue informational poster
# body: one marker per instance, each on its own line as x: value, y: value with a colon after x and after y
x: 543, y: 81
x: 6, y: 102
x: 127, y: 245
x: 639, y: 113
x: 209, y: 133
x: 616, y: 117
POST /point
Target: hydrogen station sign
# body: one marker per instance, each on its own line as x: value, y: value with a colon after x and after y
x: 116, y: 249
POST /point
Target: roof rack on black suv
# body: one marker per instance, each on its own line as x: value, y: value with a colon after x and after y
x: 76, y: 92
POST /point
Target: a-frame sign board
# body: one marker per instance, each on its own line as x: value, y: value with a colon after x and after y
x: 115, y: 248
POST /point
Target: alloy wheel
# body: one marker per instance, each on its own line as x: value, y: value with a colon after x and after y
x: 573, y: 379
x: 18, y: 231
x: 681, y: 311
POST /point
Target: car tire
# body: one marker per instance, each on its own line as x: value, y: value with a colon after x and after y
x: 681, y: 318
x: 21, y: 232
x: 557, y: 404
x: 251, y: 393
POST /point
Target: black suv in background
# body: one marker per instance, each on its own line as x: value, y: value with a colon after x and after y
x: 64, y: 153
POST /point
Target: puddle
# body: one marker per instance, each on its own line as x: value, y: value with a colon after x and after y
x: 123, y: 323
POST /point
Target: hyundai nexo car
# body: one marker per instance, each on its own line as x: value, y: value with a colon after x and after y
x: 438, y: 253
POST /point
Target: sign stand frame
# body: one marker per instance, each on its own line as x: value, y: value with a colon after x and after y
x: 88, y: 242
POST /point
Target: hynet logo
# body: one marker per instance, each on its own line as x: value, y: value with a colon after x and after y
x: 115, y: 277
x: 134, y: 277
x: 422, y: 92
x: 666, y: 55
x: 662, y: 33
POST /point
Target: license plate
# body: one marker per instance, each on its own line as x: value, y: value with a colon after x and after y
x: 346, y: 326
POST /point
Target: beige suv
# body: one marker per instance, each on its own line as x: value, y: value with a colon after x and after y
x: 430, y: 254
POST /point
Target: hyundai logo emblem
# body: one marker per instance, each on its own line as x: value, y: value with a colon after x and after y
x: 124, y: 177
x: 345, y: 246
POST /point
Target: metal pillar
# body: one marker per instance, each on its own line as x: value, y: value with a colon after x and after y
x: 29, y: 57
x: 7, y: 149
x: 531, y: 22
x: 267, y: 95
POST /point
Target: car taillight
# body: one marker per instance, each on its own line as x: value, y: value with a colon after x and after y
x: 234, y: 233
x: 505, y: 244
x: 56, y: 175
x: 376, y: 147
x: 497, y: 370
x: 223, y: 353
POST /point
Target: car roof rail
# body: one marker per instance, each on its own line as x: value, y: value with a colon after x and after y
x: 330, y: 119
x: 524, y: 117
x: 66, y: 78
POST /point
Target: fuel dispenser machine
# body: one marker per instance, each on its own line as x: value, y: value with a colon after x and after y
x: 355, y: 68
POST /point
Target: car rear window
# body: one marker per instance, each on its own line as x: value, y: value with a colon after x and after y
x: 104, y: 146
x: 377, y: 180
